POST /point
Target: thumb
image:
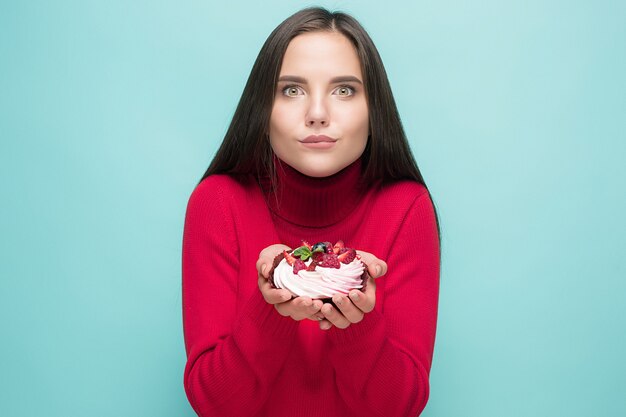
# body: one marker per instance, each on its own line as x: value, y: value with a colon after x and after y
x: 377, y: 268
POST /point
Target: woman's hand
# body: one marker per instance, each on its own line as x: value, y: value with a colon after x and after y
x: 298, y: 308
x: 352, y: 308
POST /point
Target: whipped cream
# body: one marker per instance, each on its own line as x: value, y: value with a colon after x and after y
x: 321, y: 283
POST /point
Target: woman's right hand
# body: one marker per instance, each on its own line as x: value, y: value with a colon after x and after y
x: 297, y: 308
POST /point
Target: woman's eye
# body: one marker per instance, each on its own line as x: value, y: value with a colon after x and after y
x: 345, y: 90
x: 291, y: 90
x: 294, y: 90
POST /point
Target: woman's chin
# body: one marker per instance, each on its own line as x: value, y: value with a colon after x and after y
x: 317, y: 171
x: 321, y: 167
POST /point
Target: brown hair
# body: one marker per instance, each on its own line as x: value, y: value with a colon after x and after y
x: 246, y: 149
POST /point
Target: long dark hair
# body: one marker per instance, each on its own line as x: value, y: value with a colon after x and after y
x: 246, y: 148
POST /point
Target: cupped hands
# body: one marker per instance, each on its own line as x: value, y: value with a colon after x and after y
x: 349, y: 308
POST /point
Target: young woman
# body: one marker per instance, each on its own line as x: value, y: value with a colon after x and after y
x: 315, y: 151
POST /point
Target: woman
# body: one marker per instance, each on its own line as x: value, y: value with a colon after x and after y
x: 316, y: 152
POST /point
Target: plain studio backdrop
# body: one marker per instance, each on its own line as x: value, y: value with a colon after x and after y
x: 111, y: 111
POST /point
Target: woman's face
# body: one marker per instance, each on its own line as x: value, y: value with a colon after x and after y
x: 319, y: 122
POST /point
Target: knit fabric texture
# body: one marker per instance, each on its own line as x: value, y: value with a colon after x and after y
x: 245, y: 359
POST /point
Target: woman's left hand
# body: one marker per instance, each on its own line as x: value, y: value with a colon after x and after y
x: 352, y: 308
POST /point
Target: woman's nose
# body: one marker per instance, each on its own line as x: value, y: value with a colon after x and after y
x: 317, y: 113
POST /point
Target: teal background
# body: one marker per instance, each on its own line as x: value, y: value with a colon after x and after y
x: 111, y: 111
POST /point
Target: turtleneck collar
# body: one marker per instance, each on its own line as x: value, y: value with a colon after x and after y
x: 314, y: 202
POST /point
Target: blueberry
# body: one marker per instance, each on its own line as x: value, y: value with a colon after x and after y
x: 319, y: 247
x: 324, y: 247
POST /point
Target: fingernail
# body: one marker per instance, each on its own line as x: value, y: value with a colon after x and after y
x: 338, y: 300
x: 354, y: 296
x: 378, y: 270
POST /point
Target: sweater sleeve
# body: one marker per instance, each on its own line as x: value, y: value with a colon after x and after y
x: 382, y: 363
x: 234, y: 352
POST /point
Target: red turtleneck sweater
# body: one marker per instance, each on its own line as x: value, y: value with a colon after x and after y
x: 245, y: 359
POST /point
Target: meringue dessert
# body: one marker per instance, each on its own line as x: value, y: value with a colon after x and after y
x: 319, y: 271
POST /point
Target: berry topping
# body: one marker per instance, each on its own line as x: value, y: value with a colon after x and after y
x: 298, y: 266
x: 317, y: 257
x: 319, y: 247
x: 330, y: 261
x: 347, y: 256
x: 290, y: 259
x: 312, y: 266
x: 338, y: 246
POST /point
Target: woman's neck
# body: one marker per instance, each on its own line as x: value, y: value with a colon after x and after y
x: 314, y: 202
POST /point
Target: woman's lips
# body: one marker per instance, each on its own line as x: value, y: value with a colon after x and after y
x: 318, y: 142
x: 318, y: 145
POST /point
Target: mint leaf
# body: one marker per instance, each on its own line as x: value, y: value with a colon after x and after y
x: 303, y: 252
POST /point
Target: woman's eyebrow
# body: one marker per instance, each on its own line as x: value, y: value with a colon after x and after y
x: 334, y: 80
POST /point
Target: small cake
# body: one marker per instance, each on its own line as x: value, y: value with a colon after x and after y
x: 319, y: 271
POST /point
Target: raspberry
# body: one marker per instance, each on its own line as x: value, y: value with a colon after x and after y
x: 330, y: 261
x: 317, y: 257
x: 298, y: 266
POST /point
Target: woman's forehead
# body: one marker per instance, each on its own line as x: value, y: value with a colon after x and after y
x: 321, y: 54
